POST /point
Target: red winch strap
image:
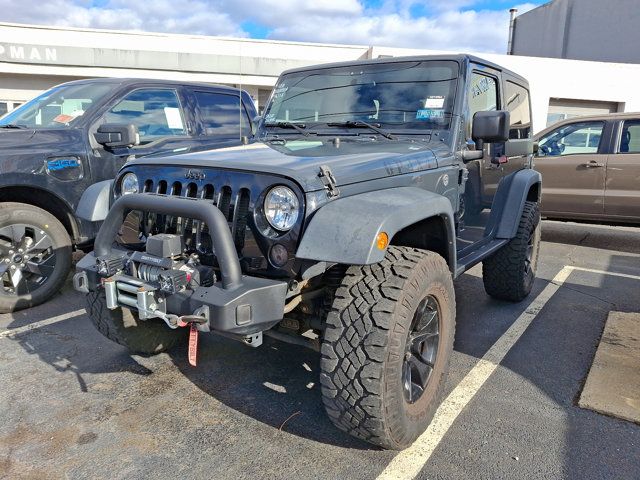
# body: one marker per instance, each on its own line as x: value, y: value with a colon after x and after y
x: 193, y: 344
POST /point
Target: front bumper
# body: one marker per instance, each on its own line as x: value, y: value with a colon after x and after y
x: 235, y: 304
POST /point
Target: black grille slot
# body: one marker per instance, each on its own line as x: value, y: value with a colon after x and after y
x: 233, y: 205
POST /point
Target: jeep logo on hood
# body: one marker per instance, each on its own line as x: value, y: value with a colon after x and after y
x: 195, y: 175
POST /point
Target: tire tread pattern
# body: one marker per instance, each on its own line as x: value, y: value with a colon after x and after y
x: 503, y: 273
x: 356, y: 343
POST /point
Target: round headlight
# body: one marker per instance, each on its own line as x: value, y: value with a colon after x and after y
x: 281, y: 207
x: 129, y: 184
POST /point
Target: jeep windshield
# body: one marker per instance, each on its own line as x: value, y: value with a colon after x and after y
x: 58, y: 107
x: 398, y: 97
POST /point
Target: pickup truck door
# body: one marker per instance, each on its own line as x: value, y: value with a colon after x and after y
x: 162, y: 122
x: 221, y: 118
x: 622, y: 189
x: 572, y: 160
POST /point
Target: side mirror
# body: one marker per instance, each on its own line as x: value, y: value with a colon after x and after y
x: 491, y: 126
x: 254, y: 124
x: 117, y: 135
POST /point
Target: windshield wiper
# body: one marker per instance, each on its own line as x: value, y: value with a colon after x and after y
x: 360, y: 124
x: 296, y: 126
x: 12, y: 125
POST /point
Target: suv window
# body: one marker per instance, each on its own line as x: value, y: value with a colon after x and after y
x: 517, y: 103
x: 222, y: 114
x: 630, y: 138
x: 483, y: 93
x: 576, y: 138
x: 156, y: 113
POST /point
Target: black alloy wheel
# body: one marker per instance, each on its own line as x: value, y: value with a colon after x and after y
x: 421, y: 349
x: 27, y: 258
x: 35, y: 256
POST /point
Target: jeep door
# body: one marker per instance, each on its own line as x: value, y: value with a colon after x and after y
x: 572, y: 160
x: 483, y: 94
x: 622, y: 188
x: 517, y: 103
x: 162, y: 122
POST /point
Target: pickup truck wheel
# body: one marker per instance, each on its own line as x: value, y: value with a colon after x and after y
x: 386, y: 347
x: 123, y: 326
x: 35, y: 256
x: 510, y: 272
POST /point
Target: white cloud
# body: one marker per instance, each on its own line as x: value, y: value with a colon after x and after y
x: 446, y: 27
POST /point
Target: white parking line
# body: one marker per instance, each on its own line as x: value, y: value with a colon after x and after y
x: 41, y: 323
x: 408, y: 463
x: 602, y: 272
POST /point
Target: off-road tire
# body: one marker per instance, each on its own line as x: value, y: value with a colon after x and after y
x: 123, y: 326
x: 364, y: 346
x: 12, y: 213
x: 504, y: 274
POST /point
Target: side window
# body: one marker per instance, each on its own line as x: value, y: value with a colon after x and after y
x: 222, y: 114
x: 630, y: 138
x: 156, y: 113
x: 517, y: 103
x: 576, y: 138
x: 483, y: 93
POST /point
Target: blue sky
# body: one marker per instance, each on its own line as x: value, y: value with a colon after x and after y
x: 456, y: 25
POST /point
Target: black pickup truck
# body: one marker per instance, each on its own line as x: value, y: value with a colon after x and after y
x: 59, y: 152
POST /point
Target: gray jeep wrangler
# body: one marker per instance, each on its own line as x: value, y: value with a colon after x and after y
x: 372, y: 186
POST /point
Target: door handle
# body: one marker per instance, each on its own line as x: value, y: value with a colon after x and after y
x: 594, y: 164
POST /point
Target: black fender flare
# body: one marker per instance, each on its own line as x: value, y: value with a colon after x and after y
x: 345, y: 230
x: 514, y: 190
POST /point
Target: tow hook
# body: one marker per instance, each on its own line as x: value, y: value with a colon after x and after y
x: 200, y: 317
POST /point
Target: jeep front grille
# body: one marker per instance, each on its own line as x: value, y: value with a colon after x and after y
x: 234, y: 206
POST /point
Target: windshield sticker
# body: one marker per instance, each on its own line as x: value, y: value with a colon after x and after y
x: 174, y: 120
x: 279, y: 91
x: 434, y: 102
x: 270, y: 117
x: 429, y: 114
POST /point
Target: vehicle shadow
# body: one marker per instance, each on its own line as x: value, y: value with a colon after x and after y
x: 276, y: 384
x: 624, y: 239
x: 70, y: 344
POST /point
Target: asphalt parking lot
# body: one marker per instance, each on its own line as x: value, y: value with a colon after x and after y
x: 75, y: 405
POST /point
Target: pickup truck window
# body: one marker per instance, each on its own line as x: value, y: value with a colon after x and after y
x: 222, y: 114
x: 58, y: 107
x: 156, y: 113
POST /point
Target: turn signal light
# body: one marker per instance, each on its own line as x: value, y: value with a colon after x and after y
x: 382, y: 240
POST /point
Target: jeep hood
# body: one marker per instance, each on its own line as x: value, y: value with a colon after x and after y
x: 354, y: 160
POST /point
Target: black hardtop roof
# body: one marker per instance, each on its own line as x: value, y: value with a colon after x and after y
x: 150, y: 81
x: 461, y: 58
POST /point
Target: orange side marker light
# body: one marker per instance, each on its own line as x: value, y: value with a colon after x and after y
x: 382, y: 240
